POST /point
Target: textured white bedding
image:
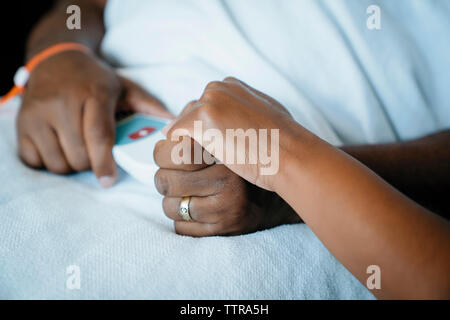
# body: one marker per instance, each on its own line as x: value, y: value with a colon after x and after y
x: 126, y: 248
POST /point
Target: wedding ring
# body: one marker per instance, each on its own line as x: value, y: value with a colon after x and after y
x: 184, y: 209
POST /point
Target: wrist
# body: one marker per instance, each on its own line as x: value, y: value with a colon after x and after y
x: 298, y: 148
x: 23, y: 74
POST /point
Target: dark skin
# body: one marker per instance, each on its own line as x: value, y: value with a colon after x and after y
x: 361, y: 219
x: 221, y: 209
x: 224, y: 202
x: 66, y: 122
x: 418, y: 168
x: 252, y: 208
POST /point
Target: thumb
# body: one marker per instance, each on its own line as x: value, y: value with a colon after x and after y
x: 188, y: 108
x: 138, y: 99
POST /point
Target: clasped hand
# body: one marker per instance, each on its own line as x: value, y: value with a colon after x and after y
x: 227, y: 197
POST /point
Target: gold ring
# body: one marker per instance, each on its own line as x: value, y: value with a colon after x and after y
x: 184, y: 209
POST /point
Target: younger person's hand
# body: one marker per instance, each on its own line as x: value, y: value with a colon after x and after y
x: 233, y: 106
x: 66, y: 122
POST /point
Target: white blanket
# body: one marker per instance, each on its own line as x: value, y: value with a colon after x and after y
x: 126, y: 248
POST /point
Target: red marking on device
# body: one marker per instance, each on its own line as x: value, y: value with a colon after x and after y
x: 141, y: 133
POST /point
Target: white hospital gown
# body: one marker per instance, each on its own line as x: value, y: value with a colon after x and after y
x: 346, y: 83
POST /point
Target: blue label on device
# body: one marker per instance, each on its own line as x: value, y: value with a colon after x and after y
x: 137, y: 127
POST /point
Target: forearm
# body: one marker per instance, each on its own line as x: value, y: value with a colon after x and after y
x: 52, y: 27
x: 419, y: 168
x: 363, y: 221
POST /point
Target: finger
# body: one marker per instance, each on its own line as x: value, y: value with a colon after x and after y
x: 184, y: 126
x: 253, y: 91
x: 140, y: 100
x: 99, y: 136
x: 166, y: 150
x: 201, y: 209
x: 29, y: 153
x: 201, y: 183
x: 242, y: 84
x: 181, y: 131
x: 72, y: 142
x: 245, y: 89
x: 46, y: 141
x: 188, y: 108
x: 194, y: 229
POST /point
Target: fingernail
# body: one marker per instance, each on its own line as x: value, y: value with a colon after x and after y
x: 106, y: 181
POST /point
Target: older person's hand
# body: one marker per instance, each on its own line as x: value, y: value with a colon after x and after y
x: 66, y: 122
x: 222, y: 203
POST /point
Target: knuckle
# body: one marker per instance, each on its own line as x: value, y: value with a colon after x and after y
x: 213, y: 95
x: 191, y: 104
x: 100, y: 133
x: 230, y: 79
x: 166, y: 206
x: 220, y: 204
x: 30, y: 157
x: 214, y: 85
x: 80, y: 164
x: 45, y: 102
x: 208, y: 111
x: 66, y: 116
x: 208, y: 95
x: 31, y: 162
x: 104, y: 89
x: 157, y: 151
x: 178, y: 226
x: 218, y: 183
x: 162, y: 182
x: 228, y: 180
x: 25, y: 117
x: 214, y: 229
x: 59, y: 167
x: 81, y: 167
x: 233, y: 203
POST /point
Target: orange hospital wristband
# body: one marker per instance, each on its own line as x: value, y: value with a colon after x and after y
x: 23, y: 74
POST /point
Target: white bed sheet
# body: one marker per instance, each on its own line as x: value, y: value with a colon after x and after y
x: 126, y: 248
